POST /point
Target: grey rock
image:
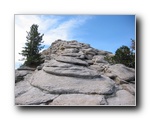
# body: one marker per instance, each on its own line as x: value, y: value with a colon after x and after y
x: 54, y: 63
x: 70, y: 50
x: 87, y: 50
x: 82, y: 57
x: 129, y: 87
x: 90, y: 51
x: 20, y: 74
x: 22, y: 87
x: 81, y: 52
x: 34, y: 96
x: 110, y: 75
x: 47, y: 57
x: 85, y: 46
x: 71, y: 60
x: 66, y: 69
x: 99, y: 59
x: 74, y: 73
x: 101, y: 67
x: 90, y: 62
x: 72, y: 54
x: 119, y: 81
x: 26, y: 68
x: 46, y: 61
x: 46, y: 52
x: 72, y: 46
x: 123, y: 72
x: 64, y: 85
x: 96, y: 67
x: 122, y: 97
x: 79, y: 100
x: 89, y: 57
x: 39, y: 67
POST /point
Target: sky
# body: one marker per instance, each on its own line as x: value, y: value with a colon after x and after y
x: 104, y: 32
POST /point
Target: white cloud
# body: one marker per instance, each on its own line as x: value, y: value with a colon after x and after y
x: 52, y: 26
x: 64, y: 30
x: 23, y: 24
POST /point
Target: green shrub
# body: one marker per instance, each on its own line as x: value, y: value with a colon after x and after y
x: 32, y: 47
x: 123, y: 55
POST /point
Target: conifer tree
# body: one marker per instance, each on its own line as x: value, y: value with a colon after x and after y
x: 124, y: 56
x: 32, y: 47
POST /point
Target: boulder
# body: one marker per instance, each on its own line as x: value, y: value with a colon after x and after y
x: 72, y: 85
x: 70, y: 50
x: 34, y: 96
x: 119, y: 81
x: 129, y: 87
x: 99, y: 59
x: 22, y: 87
x: 89, y: 57
x: 72, y: 71
x: 54, y: 63
x: 82, y: 57
x: 122, y: 97
x: 20, y: 74
x: 96, y: 67
x: 110, y: 75
x: 71, y: 54
x: 89, y: 51
x: 101, y: 67
x: 75, y: 74
x: 79, y: 100
x: 71, y: 60
x: 123, y: 72
x: 90, y: 62
x: 39, y: 67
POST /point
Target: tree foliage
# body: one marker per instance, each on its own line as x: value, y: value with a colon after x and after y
x: 32, y: 47
x: 123, y: 55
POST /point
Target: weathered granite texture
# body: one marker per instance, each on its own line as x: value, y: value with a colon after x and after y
x: 75, y: 74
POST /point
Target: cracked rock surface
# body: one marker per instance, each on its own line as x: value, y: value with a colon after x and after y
x: 69, y: 85
x: 79, y: 99
x: 75, y: 74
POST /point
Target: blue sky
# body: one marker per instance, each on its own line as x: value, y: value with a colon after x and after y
x: 104, y: 32
x: 109, y: 32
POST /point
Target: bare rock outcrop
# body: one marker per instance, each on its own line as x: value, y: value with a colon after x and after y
x: 75, y: 74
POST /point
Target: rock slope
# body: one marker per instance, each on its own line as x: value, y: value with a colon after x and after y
x: 75, y: 74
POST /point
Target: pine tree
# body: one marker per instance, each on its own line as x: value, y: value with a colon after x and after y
x: 33, y: 47
x: 123, y: 55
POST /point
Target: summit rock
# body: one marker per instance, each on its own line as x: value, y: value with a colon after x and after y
x: 75, y: 74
